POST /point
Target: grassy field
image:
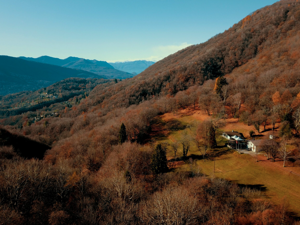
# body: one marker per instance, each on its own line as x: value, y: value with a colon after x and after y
x: 276, y: 183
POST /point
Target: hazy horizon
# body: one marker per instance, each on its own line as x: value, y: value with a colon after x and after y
x: 114, y: 31
x: 84, y: 58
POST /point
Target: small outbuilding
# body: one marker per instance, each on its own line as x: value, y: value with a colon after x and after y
x: 254, y: 145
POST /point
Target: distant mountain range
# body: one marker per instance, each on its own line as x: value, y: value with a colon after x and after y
x: 101, y: 68
x: 134, y: 67
x: 26, y: 74
x: 19, y: 75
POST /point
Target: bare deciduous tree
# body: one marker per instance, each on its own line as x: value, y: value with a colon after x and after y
x: 234, y: 102
x: 185, y: 140
x: 174, y: 147
x: 270, y: 147
x: 284, y: 151
x: 172, y: 206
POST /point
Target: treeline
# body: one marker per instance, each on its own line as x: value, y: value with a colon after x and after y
x: 38, y: 106
x: 60, y: 91
x: 123, y: 191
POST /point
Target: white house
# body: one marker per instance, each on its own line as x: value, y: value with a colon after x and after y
x: 254, y: 145
x: 233, y: 135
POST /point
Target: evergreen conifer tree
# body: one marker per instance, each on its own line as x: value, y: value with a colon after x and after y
x: 220, y: 82
x: 159, y: 160
x: 122, y: 134
x: 212, y: 136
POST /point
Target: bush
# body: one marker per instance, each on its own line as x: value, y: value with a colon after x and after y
x: 7, y: 152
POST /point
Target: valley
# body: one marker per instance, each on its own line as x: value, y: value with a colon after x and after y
x: 162, y: 147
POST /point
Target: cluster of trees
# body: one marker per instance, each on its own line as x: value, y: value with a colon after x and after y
x: 127, y: 189
x: 202, y: 135
x: 283, y: 150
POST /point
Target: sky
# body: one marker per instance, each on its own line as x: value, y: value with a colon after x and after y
x: 114, y: 30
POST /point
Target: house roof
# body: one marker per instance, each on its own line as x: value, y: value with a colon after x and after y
x: 256, y: 142
x: 237, y: 138
x: 261, y: 142
x: 232, y: 133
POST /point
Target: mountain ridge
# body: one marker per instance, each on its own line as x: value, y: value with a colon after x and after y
x: 19, y: 75
x: 135, y: 67
x: 101, y: 68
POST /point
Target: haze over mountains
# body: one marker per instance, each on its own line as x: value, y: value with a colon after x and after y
x: 101, y: 68
x: 134, y: 67
x: 118, y: 70
x: 26, y: 74
x: 21, y: 75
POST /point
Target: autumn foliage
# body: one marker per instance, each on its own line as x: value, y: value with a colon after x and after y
x: 93, y: 173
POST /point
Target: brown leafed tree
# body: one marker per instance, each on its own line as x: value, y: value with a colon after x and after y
x: 270, y: 147
x: 205, y: 136
x: 273, y: 117
x: 258, y: 118
x: 286, y: 97
x: 234, y: 102
x: 276, y: 98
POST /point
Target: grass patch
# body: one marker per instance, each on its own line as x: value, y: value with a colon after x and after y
x: 275, y: 184
x: 265, y: 180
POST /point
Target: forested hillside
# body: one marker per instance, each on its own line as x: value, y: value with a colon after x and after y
x: 104, y: 167
x: 269, y: 32
x: 34, y: 105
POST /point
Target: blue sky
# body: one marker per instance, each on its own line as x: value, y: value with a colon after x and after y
x: 114, y: 30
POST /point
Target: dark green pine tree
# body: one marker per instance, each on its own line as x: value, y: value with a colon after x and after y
x: 212, y: 143
x: 159, y: 160
x: 122, y: 134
